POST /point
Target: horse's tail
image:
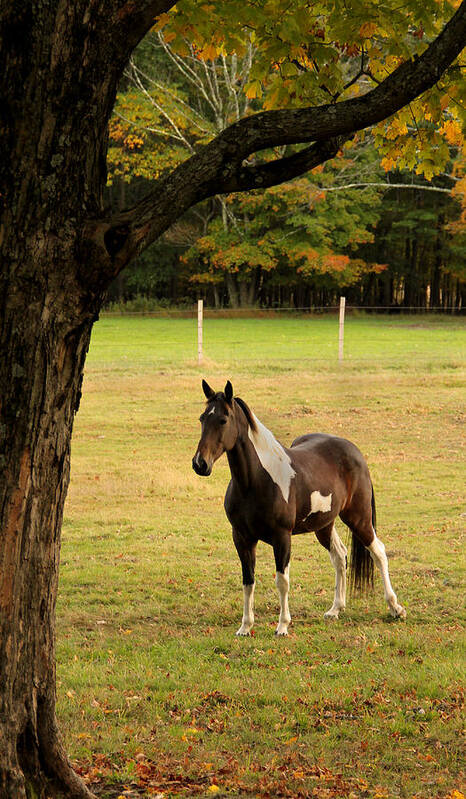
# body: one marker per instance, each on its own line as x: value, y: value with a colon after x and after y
x: 361, y: 566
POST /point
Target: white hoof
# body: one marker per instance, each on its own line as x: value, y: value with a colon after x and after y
x: 282, y: 629
x: 243, y: 630
x: 398, y: 612
x: 333, y: 613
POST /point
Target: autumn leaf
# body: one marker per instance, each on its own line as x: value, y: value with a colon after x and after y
x: 367, y: 30
x: 253, y: 89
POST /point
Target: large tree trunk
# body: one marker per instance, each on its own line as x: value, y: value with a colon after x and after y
x: 43, y: 352
x: 54, y: 131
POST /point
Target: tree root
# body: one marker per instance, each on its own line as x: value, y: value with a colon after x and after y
x: 38, y: 766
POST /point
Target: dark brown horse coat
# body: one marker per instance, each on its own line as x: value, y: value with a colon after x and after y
x: 276, y: 492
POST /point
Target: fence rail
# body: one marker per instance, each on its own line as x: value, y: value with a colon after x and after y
x: 251, y: 312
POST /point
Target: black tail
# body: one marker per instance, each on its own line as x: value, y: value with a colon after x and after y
x: 361, y: 565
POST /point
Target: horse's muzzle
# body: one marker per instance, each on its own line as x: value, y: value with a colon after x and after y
x: 201, y: 466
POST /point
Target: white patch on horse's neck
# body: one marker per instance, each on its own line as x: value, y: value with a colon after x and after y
x: 272, y: 457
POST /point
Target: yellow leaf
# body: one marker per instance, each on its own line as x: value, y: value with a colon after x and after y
x: 208, y: 53
x: 161, y: 21
x: 367, y: 30
x: 253, y: 89
x: 451, y: 129
x: 387, y: 163
x: 213, y: 789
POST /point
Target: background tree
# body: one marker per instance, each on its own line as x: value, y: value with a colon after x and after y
x: 292, y: 245
x: 60, y: 64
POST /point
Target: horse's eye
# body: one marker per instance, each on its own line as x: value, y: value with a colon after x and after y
x: 223, y: 421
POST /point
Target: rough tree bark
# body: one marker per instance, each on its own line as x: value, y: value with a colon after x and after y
x: 60, y: 62
x: 59, y: 66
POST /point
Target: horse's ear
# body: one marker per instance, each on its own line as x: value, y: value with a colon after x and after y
x: 228, y: 392
x: 208, y: 391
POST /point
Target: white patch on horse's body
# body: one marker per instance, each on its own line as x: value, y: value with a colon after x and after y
x: 248, y: 610
x: 282, y: 581
x: 272, y: 457
x: 319, y: 503
x: 196, y: 458
x: 211, y: 411
x: 377, y: 550
x: 338, y: 558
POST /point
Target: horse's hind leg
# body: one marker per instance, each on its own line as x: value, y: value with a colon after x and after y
x: 330, y: 539
x: 378, y: 554
x: 367, y: 546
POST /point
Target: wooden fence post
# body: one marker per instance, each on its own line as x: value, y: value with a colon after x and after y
x: 341, y: 328
x: 200, y: 306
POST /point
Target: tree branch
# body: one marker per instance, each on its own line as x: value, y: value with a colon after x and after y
x: 219, y: 166
x: 264, y: 175
x: 386, y: 187
x: 130, y: 21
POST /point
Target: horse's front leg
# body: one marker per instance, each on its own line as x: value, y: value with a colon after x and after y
x: 282, y: 551
x: 247, y: 555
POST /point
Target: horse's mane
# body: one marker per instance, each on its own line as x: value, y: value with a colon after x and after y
x: 247, y: 412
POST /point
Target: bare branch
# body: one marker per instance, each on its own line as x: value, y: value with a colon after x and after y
x: 386, y: 187
x: 189, y: 73
x: 149, y: 128
x: 160, y: 109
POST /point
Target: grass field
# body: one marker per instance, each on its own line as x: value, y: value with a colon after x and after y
x: 156, y: 695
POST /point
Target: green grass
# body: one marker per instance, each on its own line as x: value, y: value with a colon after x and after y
x: 156, y: 695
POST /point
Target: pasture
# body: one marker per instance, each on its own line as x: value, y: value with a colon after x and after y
x: 156, y: 695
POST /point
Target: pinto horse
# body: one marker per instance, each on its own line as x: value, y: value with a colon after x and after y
x: 276, y: 492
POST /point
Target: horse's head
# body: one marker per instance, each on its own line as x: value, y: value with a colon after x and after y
x: 219, y: 428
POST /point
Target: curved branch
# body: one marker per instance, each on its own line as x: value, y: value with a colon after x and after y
x: 219, y: 166
x: 129, y: 22
x: 264, y: 175
x: 404, y: 84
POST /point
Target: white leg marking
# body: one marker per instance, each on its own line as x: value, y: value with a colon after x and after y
x: 338, y: 558
x: 282, y: 581
x: 377, y: 550
x: 320, y: 503
x: 248, y: 610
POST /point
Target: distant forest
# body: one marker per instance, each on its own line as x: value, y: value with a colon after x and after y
x: 359, y: 226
